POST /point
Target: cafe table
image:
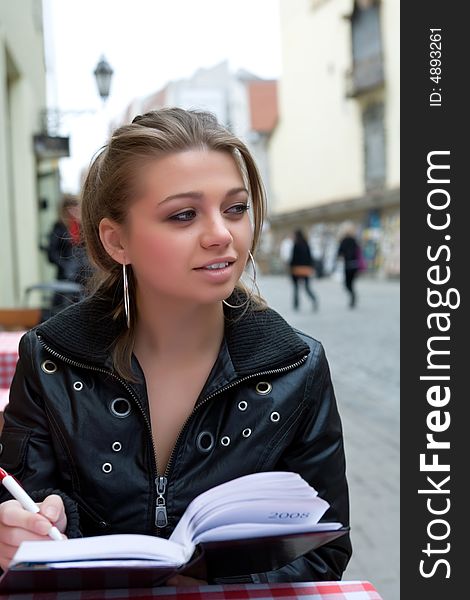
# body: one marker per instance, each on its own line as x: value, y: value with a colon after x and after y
x: 325, y: 590
x: 9, y: 341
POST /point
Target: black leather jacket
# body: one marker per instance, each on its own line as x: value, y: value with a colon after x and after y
x: 268, y: 404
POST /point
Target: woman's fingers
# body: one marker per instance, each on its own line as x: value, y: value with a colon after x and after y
x: 53, y: 509
x: 18, y: 525
x: 7, y: 551
x: 12, y: 514
x: 13, y: 536
x: 6, y: 554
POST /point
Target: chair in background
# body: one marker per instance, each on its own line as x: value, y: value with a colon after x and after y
x: 53, y: 296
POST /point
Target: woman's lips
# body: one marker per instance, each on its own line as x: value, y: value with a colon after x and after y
x: 217, y: 274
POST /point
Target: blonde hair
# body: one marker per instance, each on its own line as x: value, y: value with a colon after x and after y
x: 109, y: 188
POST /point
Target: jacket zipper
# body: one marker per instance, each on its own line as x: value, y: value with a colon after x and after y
x: 161, y: 482
x: 161, y: 518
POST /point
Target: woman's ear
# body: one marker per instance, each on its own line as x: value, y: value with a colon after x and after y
x: 112, y: 238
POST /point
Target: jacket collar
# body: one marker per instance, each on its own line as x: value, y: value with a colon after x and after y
x: 256, y: 341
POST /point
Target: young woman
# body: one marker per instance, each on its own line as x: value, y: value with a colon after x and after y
x: 172, y: 377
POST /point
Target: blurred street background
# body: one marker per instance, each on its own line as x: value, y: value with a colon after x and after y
x: 312, y: 88
x: 362, y: 347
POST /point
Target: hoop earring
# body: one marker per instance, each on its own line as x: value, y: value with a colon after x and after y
x: 250, y: 295
x: 126, y: 296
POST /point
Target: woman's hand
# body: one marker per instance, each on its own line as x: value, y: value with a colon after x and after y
x: 183, y: 581
x: 18, y: 525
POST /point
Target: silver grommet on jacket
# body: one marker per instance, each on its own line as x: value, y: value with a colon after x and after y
x: 120, y: 407
x: 49, y: 367
x: 205, y: 441
x: 263, y: 387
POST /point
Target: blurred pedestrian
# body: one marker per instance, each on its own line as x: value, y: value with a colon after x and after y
x: 302, y: 268
x: 66, y: 250
x: 64, y: 236
x: 350, y: 251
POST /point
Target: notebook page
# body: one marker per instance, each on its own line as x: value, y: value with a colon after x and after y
x: 240, y: 531
x: 113, y: 564
x: 256, y: 485
x: 103, y: 547
x: 273, y: 496
x: 269, y: 512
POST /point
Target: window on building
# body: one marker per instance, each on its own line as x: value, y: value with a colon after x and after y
x: 366, y: 46
x: 374, y: 145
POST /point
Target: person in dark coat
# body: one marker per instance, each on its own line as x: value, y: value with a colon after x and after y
x: 67, y: 251
x: 349, y: 251
x: 64, y: 239
x: 302, y: 268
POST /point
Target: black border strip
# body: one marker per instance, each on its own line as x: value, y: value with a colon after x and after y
x: 434, y: 124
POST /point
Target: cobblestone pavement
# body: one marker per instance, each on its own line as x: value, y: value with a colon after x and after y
x: 362, y: 346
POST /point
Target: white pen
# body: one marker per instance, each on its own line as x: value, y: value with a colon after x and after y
x: 26, y: 501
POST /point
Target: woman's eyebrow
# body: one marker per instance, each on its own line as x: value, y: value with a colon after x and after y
x: 200, y: 195
x: 235, y: 191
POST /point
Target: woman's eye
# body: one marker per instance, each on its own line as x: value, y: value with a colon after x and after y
x: 186, y: 215
x: 238, y: 209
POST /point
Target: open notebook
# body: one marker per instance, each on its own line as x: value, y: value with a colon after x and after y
x: 251, y: 524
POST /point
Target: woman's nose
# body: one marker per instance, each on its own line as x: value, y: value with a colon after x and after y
x: 216, y: 233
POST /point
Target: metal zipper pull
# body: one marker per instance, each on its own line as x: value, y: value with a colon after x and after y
x: 161, y: 519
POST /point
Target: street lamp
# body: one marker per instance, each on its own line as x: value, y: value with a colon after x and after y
x: 103, y: 74
x: 52, y: 117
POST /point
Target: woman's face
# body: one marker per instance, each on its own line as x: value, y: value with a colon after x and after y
x: 188, y: 236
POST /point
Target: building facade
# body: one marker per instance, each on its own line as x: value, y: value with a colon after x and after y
x: 334, y: 155
x: 22, y: 100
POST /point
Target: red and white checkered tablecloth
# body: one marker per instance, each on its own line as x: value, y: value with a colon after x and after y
x: 334, y: 590
x: 9, y: 341
x: 4, y: 397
